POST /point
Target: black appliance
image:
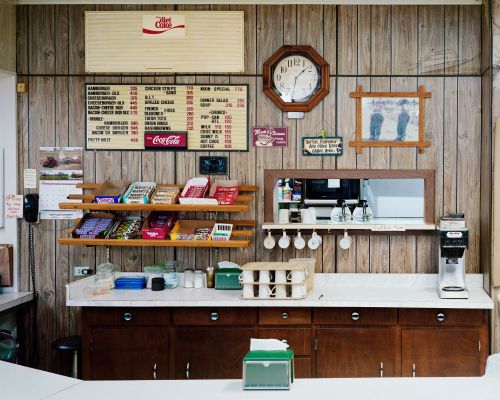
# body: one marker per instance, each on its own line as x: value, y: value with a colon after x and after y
x: 327, y: 191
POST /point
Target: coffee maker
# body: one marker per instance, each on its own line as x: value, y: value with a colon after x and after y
x: 453, y: 240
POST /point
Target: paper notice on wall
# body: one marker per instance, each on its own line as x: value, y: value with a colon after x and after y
x: 30, y: 178
x: 60, y: 173
x: 14, y: 206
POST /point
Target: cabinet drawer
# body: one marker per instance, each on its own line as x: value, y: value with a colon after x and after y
x: 284, y: 316
x: 441, y: 317
x: 302, y: 367
x: 215, y: 316
x: 126, y: 316
x: 299, y: 339
x: 356, y: 316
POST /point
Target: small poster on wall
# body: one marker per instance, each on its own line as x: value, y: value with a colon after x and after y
x: 270, y: 136
x: 322, y: 145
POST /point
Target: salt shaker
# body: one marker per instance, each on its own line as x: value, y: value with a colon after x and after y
x: 210, y: 277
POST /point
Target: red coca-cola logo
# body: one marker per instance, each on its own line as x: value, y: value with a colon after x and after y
x: 177, y: 140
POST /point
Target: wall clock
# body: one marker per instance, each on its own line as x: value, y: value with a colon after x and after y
x: 296, y: 78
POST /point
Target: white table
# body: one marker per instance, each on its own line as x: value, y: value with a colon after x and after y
x: 11, y: 300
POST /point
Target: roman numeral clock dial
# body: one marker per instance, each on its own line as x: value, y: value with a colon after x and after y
x: 296, y: 78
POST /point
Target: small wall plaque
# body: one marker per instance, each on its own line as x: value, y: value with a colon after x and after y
x: 270, y: 136
x: 322, y: 145
x: 210, y: 165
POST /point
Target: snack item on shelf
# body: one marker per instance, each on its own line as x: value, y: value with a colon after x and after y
x: 195, y: 188
x: 192, y: 230
x: 111, y: 191
x: 126, y: 228
x: 225, y: 191
x: 221, y: 232
x: 139, y: 193
x: 158, y: 224
x: 94, y: 226
x: 165, y: 195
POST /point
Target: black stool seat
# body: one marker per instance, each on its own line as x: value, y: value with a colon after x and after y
x: 70, y: 343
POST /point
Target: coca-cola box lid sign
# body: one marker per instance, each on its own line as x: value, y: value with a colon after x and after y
x: 165, y: 140
x: 270, y: 136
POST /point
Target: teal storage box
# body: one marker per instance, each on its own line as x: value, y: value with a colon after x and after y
x: 227, y: 278
x: 265, y: 370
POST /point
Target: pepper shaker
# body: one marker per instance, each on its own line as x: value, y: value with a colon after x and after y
x: 210, y: 277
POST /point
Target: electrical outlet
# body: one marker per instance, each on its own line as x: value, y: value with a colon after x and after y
x: 82, y: 271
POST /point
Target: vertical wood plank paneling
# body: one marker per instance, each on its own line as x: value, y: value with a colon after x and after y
x: 431, y: 54
x: 450, y: 139
x: 427, y: 249
x: 41, y: 40
x: 365, y: 33
x: 347, y: 39
x: 250, y: 11
x: 469, y: 51
x: 381, y: 40
x: 330, y: 36
x: 76, y: 35
x: 404, y: 39
x: 61, y: 38
x: 451, y: 39
x: 22, y: 39
x: 42, y: 121
x: 469, y: 154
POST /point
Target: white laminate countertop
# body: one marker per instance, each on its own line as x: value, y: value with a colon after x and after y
x: 11, y: 300
x: 331, y: 290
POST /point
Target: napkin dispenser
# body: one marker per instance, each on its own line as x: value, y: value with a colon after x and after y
x: 268, y: 369
x: 227, y: 278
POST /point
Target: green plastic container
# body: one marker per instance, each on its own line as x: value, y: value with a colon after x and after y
x: 228, y: 279
x: 268, y: 370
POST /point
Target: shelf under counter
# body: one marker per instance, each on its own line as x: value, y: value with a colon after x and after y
x: 153, y: 243
x: 386, y: 225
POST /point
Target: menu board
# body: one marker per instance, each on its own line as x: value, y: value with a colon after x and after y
x: 215, y: 117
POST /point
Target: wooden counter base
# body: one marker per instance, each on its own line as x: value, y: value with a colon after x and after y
x: 209, y: 343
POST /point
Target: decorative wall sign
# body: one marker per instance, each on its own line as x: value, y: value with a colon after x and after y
x: 390, y: 119
x: 270, y: 136
x: 163, y: 25
x: 165, y: 141
x: 213, y: 165
x: 322, y: 145
x: 215, y: 117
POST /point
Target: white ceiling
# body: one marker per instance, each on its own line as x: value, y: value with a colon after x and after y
x: 178, y: 2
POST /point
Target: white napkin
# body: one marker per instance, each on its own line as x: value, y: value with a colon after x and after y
x: 227, y: 264
x: 267, y: 344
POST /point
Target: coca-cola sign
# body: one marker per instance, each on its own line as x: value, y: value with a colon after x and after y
x: 165, y: 140
x: 163, y: 26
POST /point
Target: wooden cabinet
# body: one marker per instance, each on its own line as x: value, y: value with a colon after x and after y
x: 357, y: 352
x: 210, y: 352
x: 125, y: 344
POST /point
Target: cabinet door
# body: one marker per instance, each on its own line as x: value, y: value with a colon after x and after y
x: 441, y: 352
x: 127, y: 353
x: 211, y: 352
x: 357, y: 352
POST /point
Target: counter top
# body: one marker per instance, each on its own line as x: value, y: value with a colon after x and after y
x: 11, y: 300
x: 352, y: 389
x: 331, y: 290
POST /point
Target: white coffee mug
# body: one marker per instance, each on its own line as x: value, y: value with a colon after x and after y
x: 265, y: 291
x: 246, y: 276
x: 188, y: 278
x: 284, y: 241
x: 269, y: 241
x: 308, y: 216
x: 199, y: 279
x: 299, y: 241
x: 248, y: 292
x: 298, y: 290
x: 346, y: 241
x: 280, y: 291
x: 284, y: 216
x: 280, y: 276
x: 315, y: 241
x: 264, y: 276
x: 297, y: 275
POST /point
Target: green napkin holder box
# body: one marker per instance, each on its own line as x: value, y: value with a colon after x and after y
x: 268, y: 370
x: 227, y: 278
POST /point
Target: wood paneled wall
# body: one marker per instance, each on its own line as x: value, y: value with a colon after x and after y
x: 384, y: 48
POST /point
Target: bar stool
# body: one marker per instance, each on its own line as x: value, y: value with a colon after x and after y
x: 73, y: 344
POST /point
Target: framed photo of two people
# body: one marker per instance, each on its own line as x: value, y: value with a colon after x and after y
x: 390, y: 119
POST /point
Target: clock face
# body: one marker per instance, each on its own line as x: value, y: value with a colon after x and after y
x: 295, y: 79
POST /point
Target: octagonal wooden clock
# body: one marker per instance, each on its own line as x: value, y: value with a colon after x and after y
x: 296, y: 78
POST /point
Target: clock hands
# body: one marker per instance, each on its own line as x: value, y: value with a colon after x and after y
x: 295, y: 82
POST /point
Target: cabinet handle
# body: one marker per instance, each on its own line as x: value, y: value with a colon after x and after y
x: 214, y: 316
x: 187, y: 370
x: 414, y: 370
x: 154, y: 371
x: 284, y: 315
x: 355, y: 316
x: 381, y: 369
x: 127, y: 316
x: 440, y: 317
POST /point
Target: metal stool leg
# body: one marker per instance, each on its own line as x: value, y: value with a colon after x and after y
x: 74, y: 369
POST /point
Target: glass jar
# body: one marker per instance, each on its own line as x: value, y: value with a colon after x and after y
x: 170, y: 275
x: 104, y: 277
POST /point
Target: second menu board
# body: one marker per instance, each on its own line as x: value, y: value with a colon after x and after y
x: 215, y: 117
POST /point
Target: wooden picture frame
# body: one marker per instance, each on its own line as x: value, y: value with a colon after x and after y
x: 399, y: 132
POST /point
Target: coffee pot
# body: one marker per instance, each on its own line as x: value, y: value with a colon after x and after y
x: 340, y: 212
x: 362, y: 213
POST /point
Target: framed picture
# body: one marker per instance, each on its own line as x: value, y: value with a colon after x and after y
x: 390, y: 119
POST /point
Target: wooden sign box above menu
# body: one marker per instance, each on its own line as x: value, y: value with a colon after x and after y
x: 213, y: 117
